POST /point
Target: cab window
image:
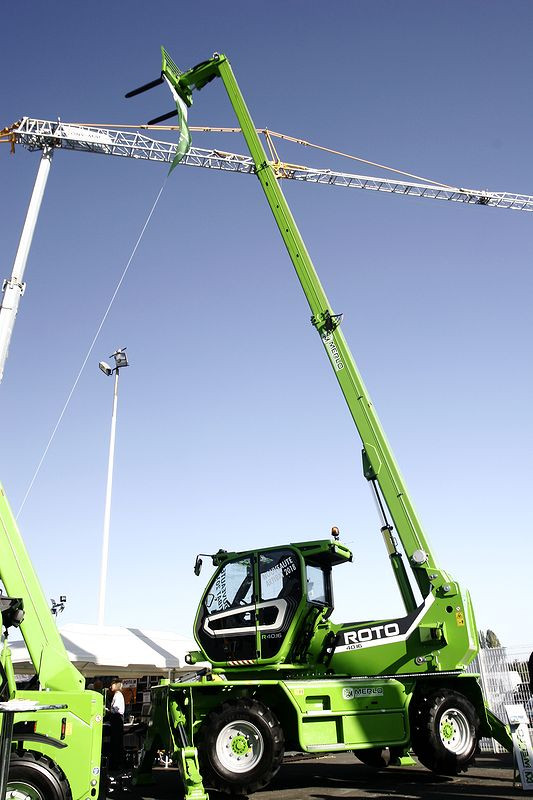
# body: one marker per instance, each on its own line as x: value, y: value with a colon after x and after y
x: 232, y: 587
x: 316, y: 585
x: 226, y: 626
x: 280, y: 592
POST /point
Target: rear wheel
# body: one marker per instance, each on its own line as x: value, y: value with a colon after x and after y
x: 240, y: 747
x: 33, y: 776
x: 445, y: 731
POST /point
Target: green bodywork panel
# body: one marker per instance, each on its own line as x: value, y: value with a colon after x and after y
x: 317, y: 715
x: 337, y: 714
x: 496, y: 729
x: 436, y: 637
x: 72, y: 737
x: 78, y: 750
x: 323, y: 551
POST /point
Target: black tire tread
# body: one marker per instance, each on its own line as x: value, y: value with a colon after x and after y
x: 249, y: 707
x: 44, y: 770
x: 425, y: 714
x: 373, y: 757
x: 379, y: 757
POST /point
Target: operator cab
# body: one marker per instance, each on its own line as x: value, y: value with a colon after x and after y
x: 256, y: 603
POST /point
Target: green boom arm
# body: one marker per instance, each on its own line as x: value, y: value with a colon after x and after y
x: 42, y: 638
x: 379, y: 463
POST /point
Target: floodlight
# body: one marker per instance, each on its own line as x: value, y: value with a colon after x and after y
x: 121, y: 359
x: 106, y: 369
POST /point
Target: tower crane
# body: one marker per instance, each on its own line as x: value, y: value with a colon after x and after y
x: 38, y: 134
x: 50, y: 135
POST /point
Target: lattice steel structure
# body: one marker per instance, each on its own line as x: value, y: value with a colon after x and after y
x: 49, y: 136
x: 35, y: 134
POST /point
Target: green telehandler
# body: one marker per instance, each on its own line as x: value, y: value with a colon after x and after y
x: 56, y: 742
x: 283, y: 675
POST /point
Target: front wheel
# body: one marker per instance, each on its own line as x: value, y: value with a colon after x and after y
x: 445, y: 731
x: 240, y: 747
x: 33, y: 776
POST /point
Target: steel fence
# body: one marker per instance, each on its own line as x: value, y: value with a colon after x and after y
x: 505, y: 679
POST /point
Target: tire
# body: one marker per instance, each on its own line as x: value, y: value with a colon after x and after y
x: 33, y: 776
x: 378, y: 757
x: 444, y: 731
x: 240, y: 747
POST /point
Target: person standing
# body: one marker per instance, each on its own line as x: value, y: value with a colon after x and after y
x: 116, y: 720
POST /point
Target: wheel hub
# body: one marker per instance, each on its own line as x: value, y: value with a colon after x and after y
x: 447, y: 730
x: 240, y: 745
x: 455, y: 732
x: 20, y: 790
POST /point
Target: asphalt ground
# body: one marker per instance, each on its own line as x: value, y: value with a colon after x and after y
x: 344, y: 776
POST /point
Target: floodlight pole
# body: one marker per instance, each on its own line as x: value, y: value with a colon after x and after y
x: 109, y: 489
x: 14, y: 286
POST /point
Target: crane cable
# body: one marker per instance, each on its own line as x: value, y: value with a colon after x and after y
x: 91, y: 347
x: 268, y: 133
x: 7, y: 135
x: 287, y: 138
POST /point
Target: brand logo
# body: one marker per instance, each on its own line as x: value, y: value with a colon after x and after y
x: 333, y: 352
x: 356, y: 639
x: 367, y: 691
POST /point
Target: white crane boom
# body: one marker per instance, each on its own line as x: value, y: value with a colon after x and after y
x: 36, y: 134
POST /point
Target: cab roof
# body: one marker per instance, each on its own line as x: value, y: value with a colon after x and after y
x: 325, y: 552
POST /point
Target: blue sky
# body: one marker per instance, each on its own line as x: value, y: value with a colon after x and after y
x: 232, y: 431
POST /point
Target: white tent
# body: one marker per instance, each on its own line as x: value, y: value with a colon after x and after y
x: 124, y: 652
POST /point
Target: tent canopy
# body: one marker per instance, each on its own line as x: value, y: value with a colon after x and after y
x: 124, y: 652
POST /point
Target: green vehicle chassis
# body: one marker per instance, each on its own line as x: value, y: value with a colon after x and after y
x: 317, y: 715
x: 310, y: 687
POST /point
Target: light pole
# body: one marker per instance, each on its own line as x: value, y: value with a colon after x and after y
x: 121, y: 360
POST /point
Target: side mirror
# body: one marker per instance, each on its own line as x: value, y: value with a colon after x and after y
x: 12, y: 612
x: 198, y: 566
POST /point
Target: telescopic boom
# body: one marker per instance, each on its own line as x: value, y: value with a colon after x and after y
x: 378, y: 461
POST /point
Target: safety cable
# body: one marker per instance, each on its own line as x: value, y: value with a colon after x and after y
x: 91, y: 347
x: 355, y: 158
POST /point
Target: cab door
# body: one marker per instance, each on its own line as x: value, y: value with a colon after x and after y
x: 279, y: 596
x: 226, y: 622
